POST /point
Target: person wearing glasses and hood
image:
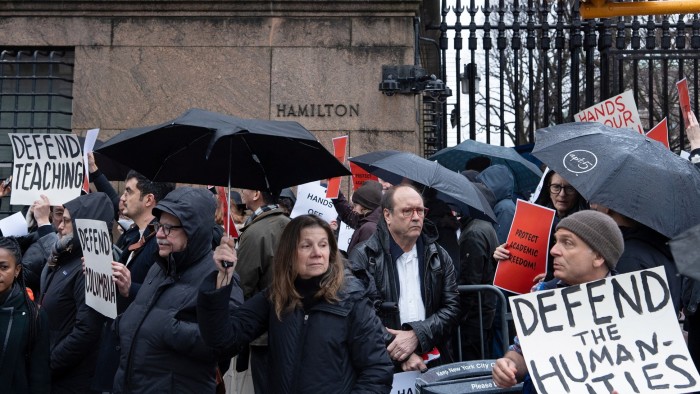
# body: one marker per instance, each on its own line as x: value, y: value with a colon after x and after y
x: 414, y: 281
x: 161, y: 347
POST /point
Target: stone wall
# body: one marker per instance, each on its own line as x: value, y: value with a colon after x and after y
x: 318, y: 62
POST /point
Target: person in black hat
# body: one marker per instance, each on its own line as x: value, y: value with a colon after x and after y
x: 364, y: 214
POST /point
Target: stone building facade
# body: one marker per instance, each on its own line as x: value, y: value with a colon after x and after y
x: 139, y: 63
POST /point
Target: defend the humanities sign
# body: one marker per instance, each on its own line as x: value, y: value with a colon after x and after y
x: 100, y: 290
x: 617, y: 333
x: 49, y: 164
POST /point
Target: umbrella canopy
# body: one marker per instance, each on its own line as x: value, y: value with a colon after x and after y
x: 212, y: 149
x: 685, y: 252
x: 625, y: 171
x: 526, y: 174
x: 112, y: 170
x: 452, y: 187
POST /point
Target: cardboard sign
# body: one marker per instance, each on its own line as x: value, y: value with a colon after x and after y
x: 14, y: 225
x: 620, y: 332
x: 100, y: 289
x: 684, y: 100
x: 660, y: 133
x: 404, y: 382
x: 528, y: 243
x: 345, y: 233
x: 619, y: 112
x: 49, y: 164
x: 311, y: 200
x: 359, y: 176
x: 340, y: 145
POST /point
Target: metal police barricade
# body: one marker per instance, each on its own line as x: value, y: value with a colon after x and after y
x: 462, y: 377
x: 502, y: 311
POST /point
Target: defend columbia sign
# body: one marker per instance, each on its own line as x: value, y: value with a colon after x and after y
x: 100, y: 290
x: 49, y: 164
x: 620, y: 332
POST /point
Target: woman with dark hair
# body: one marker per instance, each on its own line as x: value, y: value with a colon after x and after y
x: 559, y: 195
x: 24, y: 350
x: 324, y: 335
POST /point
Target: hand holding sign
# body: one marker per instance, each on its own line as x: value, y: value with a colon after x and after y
x: 693, y: 131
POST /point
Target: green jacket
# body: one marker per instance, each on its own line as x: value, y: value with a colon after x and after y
x: 22, y: 371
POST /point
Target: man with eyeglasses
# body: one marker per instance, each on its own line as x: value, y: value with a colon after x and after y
x: 415, y: 286
x: 161, y: 347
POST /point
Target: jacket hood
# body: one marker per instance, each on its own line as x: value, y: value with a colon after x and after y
x: 195, y: 209
x: 500, y: 180
x: 95, y: 206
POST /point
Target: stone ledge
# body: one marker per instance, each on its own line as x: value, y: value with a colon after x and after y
x: 221, y: 8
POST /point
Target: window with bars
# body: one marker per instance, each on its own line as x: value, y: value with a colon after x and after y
x: 36, y: 94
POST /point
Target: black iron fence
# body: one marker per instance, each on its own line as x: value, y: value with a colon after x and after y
x: 539, y: 63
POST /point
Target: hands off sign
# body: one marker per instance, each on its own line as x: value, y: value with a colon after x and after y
x: 49, y: 164
x: 100, y: 290
x: 616, y: 333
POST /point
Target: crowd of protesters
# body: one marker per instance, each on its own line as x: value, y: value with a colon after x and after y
x: 283, y: 298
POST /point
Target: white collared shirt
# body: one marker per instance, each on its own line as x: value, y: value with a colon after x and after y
x: 411, y: 306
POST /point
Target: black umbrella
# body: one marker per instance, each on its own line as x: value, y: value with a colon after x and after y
x: 209, y: 148
x: 625, y: 171
x: 527, y: 175
x: 685, y: 252
x: 452, y: 187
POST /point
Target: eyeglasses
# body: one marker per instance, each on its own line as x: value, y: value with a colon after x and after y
x: 408, y: 212
x: 556, y: 189
x: 166, y: 227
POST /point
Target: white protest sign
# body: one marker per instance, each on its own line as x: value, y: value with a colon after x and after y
x: 344, y: 235
x: 14, y: 225
x: 404, y: 382
x: 100, y: 290
x: 619, y: 112
x: 49, y: 164
x: 618, y: 333
x: 311, y: 200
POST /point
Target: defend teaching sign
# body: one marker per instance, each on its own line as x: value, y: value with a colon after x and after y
x: 49, y: 164
x: 100, y: 290
x: 620, y: 332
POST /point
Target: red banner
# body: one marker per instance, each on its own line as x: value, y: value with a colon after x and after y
x: 230, y: 226
x: 340, y: 145
x: 528, y: 244
x: 684, y: 99
x: 359, y: 176
x: 660, y: 133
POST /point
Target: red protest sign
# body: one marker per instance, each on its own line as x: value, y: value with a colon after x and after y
x: 230, y: 225
x: 660, y: 133
x: 684, y: 99
x: 528, y: 243
x: 359, y: 176
x: 340, y: 145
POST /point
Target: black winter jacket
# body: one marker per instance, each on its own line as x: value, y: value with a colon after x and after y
x: 438, y: 283
x: 161, y: 348
x: 74, y: 327
x: 22, y: 371
x: 331, y: 348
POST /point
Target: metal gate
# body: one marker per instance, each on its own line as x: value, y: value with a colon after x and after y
x: 539, y: 63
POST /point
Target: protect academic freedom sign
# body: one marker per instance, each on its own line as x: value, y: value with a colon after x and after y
x: 617, y: 333
x: 100, y: 290
x: 49, y: 164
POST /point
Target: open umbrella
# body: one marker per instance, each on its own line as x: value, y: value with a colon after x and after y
x: 526, y: 174
x: 625, y: 171
x: 452, y: 187
x: 209, y: 148
x: 684, y: 248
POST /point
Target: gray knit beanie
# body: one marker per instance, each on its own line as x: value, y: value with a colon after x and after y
x: 599, y: 231
x: 369, y: 195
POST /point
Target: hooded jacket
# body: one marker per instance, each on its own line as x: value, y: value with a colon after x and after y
x: 74, y: 327
x: 437, y: 280
x: 162, y: 350
x: 500, y: 180
x: 331, y: 348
